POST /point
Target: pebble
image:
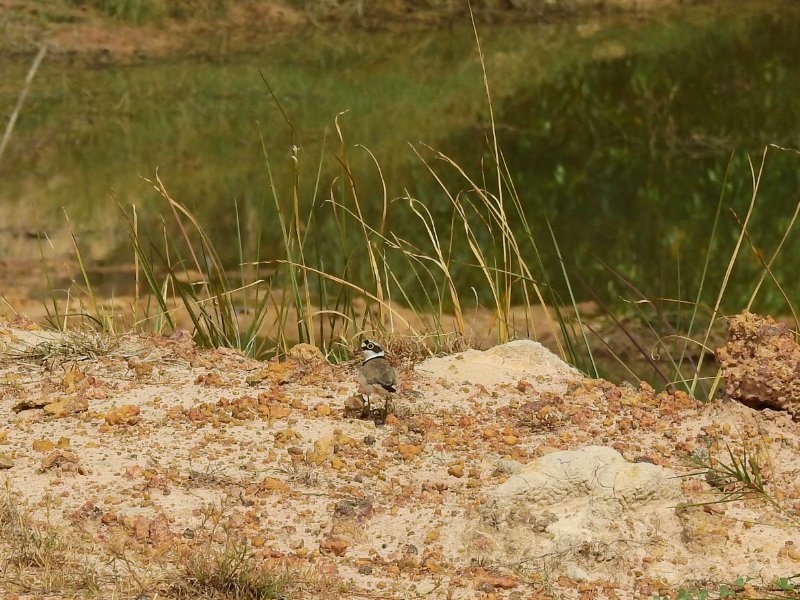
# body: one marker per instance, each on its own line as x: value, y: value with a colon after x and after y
x: 43, y: 446
x: 456, y: 471
x: 408, y: 451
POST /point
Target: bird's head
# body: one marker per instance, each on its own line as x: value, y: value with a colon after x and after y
x: 371, y: 349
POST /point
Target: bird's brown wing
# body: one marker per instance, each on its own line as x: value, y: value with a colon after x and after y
x: 378, y: 371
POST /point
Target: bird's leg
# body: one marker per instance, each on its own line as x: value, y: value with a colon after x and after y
x: 387, y: 406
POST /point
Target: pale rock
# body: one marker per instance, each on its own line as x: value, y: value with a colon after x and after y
x: 589, y: 507
x: 504, y: 364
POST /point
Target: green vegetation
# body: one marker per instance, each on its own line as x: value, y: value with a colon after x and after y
x: 624, y: 154
x: 321, y: 293
x: 273, y: 233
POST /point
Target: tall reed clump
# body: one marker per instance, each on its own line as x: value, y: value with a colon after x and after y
x: 374, y: 262
x: 366, y: 279
x: 488, y: 207
x: 186, y: 274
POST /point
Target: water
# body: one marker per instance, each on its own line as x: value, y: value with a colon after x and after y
x: 618, y: 133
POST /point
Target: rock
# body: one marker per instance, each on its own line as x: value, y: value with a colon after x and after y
x: 323, y: 409
x: 66, y: 407
x: 32, y: 403
x: 456, y: 471
x: 333, y: 545
x: 6, y: 462
x: 306, y: 353
x: 349, y: 520
x: 587, y: 506
x: 505, y: 364
x: 760, y: 363
x: 43, y: 446
x: 124, y: 415
x: 355, y: 408
x: 60, y: 458
x: 323, y: 448
x: 408, y: 451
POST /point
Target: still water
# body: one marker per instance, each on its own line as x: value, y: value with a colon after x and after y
x: 618, y: 132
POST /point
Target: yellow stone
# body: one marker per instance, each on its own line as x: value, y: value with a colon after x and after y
x: 456, y: 471
x: 43, y: 446
x: 324, y: 445
x: 273, y: 484
x: 433, y: 535
x: 345, y: 440
x: 279, y: 411
x: 408, y: 451
x: 67, y: 406
x: 70, y: 379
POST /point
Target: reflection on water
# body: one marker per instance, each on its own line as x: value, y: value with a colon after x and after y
x: 618, y: 134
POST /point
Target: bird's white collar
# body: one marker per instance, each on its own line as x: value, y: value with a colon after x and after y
x: 369, y: 355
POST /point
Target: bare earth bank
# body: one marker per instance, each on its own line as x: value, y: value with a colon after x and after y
x: 150, y: 465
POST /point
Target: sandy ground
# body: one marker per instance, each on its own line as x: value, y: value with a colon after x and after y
x: 144, y: 450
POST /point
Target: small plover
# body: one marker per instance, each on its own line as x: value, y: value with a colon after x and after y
x: 376, y: 376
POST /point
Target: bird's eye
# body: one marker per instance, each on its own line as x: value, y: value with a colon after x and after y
x: 370, y: 346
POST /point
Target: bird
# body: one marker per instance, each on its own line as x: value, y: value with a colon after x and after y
x: 376, y: 376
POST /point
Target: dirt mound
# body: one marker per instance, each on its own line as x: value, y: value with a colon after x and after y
x: 180, y: 456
